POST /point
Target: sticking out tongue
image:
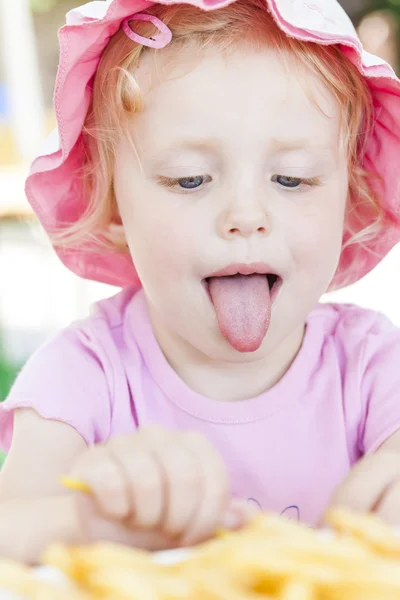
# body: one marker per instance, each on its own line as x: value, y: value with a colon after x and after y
x: 243, y: 307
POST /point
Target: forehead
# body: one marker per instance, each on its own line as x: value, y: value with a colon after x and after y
x: 237, y: 97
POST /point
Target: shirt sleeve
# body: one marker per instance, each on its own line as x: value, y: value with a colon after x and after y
x: 380, y: 386
x: 65, y: 380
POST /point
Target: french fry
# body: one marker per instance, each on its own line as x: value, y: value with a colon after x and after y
x: 271, y: 559
x: 75, y: 485
x: 297, y: 590
x: 371, y: 530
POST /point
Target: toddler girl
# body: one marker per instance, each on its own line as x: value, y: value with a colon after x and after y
x: 225, y: 163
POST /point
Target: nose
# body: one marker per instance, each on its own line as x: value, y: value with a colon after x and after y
x: 245, y: 220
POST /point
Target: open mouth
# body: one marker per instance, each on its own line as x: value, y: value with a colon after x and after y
x: 243, y: 296
x: 274, y: 280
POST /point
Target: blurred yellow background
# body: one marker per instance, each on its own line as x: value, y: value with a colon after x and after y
x: 37, y: 294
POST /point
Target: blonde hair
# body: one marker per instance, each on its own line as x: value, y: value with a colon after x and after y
x: 117, y: 96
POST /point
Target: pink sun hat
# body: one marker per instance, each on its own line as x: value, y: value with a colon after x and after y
x: 56, y: 194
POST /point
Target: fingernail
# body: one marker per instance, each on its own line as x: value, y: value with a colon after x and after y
x: 232, y: 519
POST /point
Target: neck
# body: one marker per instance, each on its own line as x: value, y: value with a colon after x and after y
x: 223, y: 380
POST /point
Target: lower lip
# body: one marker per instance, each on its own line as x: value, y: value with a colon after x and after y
x: 274, y: 292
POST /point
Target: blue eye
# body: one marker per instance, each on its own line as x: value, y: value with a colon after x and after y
x: 190, y: 183
x: 288, y: 182
x: 184, y: 183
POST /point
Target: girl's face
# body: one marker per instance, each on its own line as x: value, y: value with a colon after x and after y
x: 237, y: 162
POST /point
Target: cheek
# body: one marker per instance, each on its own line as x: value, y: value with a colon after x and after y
x: 160, y: 237
x: 317, y: 238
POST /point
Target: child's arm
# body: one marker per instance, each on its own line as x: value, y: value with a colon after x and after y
x: 34, y: 509
x: 41, y: 450
x: 372, y: 412
x: 153, y: 489
x: 374, y: 483
x: 28, y: 526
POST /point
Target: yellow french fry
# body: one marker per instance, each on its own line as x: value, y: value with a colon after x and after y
x: 270, y: 559
x: 297, y: 590
x: 76, y: 485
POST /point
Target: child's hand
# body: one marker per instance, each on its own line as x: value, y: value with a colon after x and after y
x: 172, y: 484
x: 373, y: 485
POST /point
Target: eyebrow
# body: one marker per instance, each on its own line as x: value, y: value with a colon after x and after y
x: 277, y: 145
x: 288, y: 145
x: 212, y: 145
x: 195, y: 144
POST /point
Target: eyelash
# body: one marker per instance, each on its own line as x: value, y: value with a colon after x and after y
x: 171, y: 183
x: 308, y: 182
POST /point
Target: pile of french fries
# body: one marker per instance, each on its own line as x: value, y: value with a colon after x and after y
x: 358, y: 558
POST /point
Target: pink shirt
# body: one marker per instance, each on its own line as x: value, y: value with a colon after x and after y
x: 286, y: 450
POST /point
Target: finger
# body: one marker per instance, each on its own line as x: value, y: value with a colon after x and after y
x: 102, y: 474
x: 389, y: 506
x: 214, y: 491
x: 238, y: 514
x: 367, y: 482
x: 94, y: 527
x: 144, y: 480
x: 182, y: 484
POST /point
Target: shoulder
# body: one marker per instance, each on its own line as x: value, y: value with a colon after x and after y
x: 90, y: 344
x: 364, y: 344
x: 351, y: 326
x: 107, y: 315
x: 98, y: 335
x: 362, y: 348
x: 354, y: 338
